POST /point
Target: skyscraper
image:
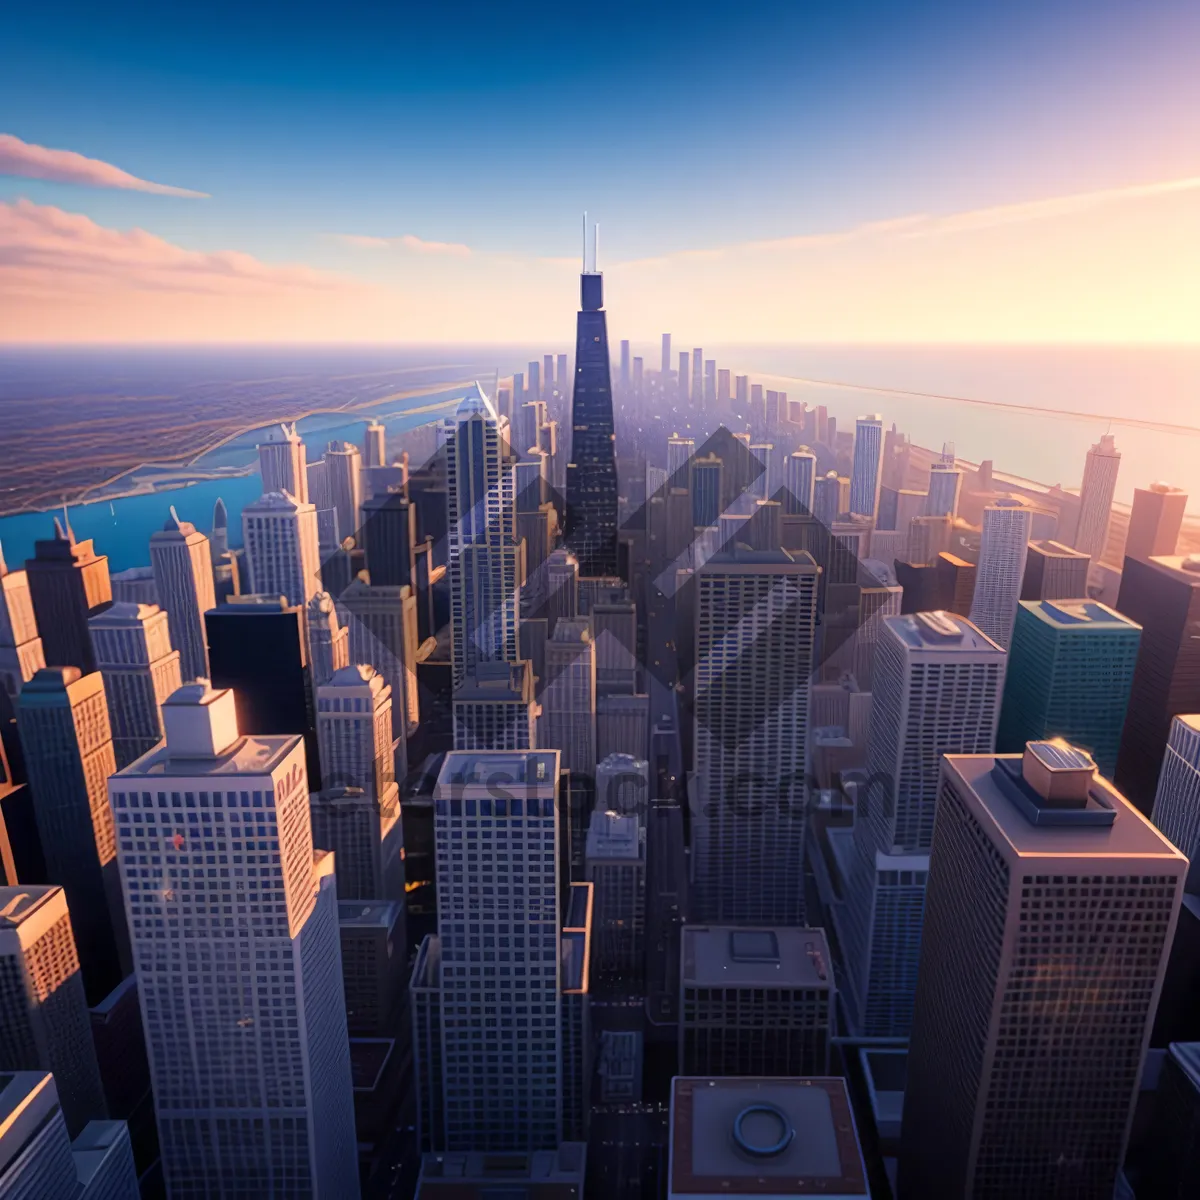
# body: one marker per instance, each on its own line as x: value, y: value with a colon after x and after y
x: 698, y: 376
x: 68, y: 583
x: 484, y: 566
x: 343, y: 467
x: 257, y: 649
x: 375, y: 445
x: 945, y: 484
x: 1163, y: 596
x: 723, y: 391
x: 1055, y: 572
x: 755, y: 1001
x: 800, y: 476
x: 266, y: 1065
x: 283, y: 464
x: 868, y: 465
x: 535, y: 379
x: 1001, y: 568
x: 568, y: 721
x: 495, y: 709
x: 132, y: 644
x: 827, y: 498
x: 1155, y: 521
x: 1070, y: 668
x: 496, y: 830
x: 1096, y: 497
x: 561, y: 373
x: 328, y: 642
x: 707, y: 482
x: 625, y: 380
x: 639, y: 375
x: 21, y: 654
x: 63, y: 720
x: 616, y: 868
x: 389, y: 533
x: 218, y: 540
x: 44, y: 1022
x: 684, y: 388
x: 710, y: 380
x: 357, y: 812
x: 1177, y: 801
x: 666, y: 359
x: 280, y: 536
x: 182, y: 562
x: 1051, y: 905
x: 937, y: 689
x: 38, y: 1160
x: 755, y: 631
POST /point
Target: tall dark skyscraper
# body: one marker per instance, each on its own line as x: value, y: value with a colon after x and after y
x: 591, y: 524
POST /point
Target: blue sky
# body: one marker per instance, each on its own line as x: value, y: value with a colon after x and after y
x: 681, y: 126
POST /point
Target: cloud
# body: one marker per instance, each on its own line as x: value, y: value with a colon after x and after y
x: 924, y: 225
x: 46, y: 250
x: 406, y: 241
x: 65, y: 166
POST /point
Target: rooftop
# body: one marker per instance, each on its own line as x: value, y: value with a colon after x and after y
x: 1185, y: 567
x: 488, y: 768
x: 611, y: 835
x: 275, y: 502
x: 1128, y: 833
x: 786, y: 956
x: 376, y: 913
x: 124, y: 612
x: 566, y: 1165
x: 18, y: 904
x: 940, y: 631
x: 1079, y: 615
x: 249, y: 755
x: 764, y: 1137
x: 495, y: 682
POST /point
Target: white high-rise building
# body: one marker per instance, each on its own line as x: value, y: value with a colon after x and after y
x: 485, y: 566
x: 568, y: 721
x: 132, y: 645
x: 1177, y: 802
x: 755, y: 634
x: 239, y: 974
x: 1050, y: 913
x: 937, y: 688
x: 800, y: 477
x: 945, y: 486
x: 21, y: 654
x: 328, y: 642
x: 1096, y: 497
x: 498, y: 1086
x: 1003, y: 549
x: 280, y: 537
x: 343, y: 467
x: 868, y: 465
x: 282, y: 462
x: 44, y: 1022
x: 182, y: 562
x: 357, y: 812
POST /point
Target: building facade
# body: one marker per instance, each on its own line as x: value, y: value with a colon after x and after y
x: 1001, y: 568
x: 132, y: 645
x: 1051, y: 907
x: 239, y: 975
x: 183, y: 571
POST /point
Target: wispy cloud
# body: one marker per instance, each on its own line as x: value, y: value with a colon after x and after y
x: 65, y: 166
x: 924, y: 225
x: 406, y: 241
x: 48, y: 251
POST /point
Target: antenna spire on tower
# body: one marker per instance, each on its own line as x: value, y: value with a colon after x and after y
x: 596, y: 247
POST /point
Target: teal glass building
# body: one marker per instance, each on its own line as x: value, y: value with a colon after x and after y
x: 1070, y: 668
